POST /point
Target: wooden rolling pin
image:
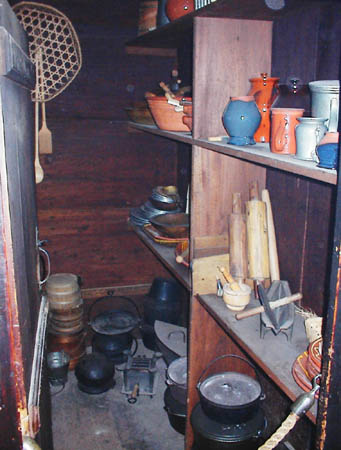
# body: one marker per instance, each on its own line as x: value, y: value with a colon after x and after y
x: 233, y: 284
x: 257, y: 236
x: 273, y: 255
x: 237, y: 231
x: 273, y: 305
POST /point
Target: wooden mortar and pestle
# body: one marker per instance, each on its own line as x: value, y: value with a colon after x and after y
x: 236, y: 295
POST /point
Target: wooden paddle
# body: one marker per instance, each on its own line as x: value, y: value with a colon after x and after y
x: 45, y: 135
x: 39, y: 173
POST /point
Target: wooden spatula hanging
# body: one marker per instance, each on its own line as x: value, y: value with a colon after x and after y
x: 45, y: 135
x: 39, y: 173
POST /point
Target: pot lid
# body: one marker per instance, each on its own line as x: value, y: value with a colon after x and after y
x: 177, y: 371
x: 114, y: 322
x: 62, y: 284
x: 172, y: 336
x: 234, y: 432
x: 325, y: 86
x: 230, y: 389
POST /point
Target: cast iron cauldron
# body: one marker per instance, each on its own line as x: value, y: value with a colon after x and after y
x: 176, y: 379
x: 163, y: 302
x: 113, y: 329
x: 95, y: 373
x: 212, y: 435
x: 176, y: 412
x: 230, y: 397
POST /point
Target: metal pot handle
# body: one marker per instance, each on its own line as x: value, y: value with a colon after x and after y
x: 262, y: 395
x: 111, y: 295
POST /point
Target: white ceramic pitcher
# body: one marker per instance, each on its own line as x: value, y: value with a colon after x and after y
x: 309, y: 133
x: 325, y: 101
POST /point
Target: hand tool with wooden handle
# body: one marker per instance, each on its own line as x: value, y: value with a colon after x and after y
x: 273, y: 305
x: 273, y: 255
x: 257, y: 236
x: 168, y: 92
x: 45, y: 135
x: 233, y: 284
x: 181, y: 258
x: 237, y: 231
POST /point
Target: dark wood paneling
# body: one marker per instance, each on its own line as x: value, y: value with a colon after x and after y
x: 99, y: 169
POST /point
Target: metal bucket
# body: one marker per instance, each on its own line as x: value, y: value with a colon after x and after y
x: 58, y: 366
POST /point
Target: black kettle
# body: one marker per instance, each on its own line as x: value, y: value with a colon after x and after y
x: 113, y: 330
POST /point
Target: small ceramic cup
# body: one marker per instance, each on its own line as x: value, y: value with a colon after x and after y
x: 328, y: 155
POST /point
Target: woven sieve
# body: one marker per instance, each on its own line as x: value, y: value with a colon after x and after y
x: 51, y: 31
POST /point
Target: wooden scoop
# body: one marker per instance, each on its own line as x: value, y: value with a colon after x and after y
x: 228, y: 277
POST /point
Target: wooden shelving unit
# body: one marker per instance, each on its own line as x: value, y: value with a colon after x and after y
x: 166, y: 254
x: 258, y: 154
x: 232, y: 42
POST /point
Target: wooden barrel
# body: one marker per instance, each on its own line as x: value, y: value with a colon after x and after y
x: 63, y: 291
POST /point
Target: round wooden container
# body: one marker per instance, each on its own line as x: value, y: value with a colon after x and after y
x: 63, y: 291
x: 66, y: 321
x: 67, y: 329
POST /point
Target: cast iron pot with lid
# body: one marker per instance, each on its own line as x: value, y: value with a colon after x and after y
x: 176, y: 379
x: 112, y: 329
x: 230, y: 397
x: 212, y: 435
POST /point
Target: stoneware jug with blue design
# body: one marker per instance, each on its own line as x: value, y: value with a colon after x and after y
x: 241, y: 118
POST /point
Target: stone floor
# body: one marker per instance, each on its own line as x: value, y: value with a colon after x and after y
x: 107, y: 421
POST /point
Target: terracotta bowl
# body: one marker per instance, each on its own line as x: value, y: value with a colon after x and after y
x: 172, y: 224
x: 188, y: 120
x: 164, y: 114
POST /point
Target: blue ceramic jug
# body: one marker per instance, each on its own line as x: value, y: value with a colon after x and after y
x: 241, y: 118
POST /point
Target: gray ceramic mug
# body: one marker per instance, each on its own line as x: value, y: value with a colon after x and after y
x: 325, y: 101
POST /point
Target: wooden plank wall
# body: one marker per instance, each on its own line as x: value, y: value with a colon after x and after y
x: 99, y: 168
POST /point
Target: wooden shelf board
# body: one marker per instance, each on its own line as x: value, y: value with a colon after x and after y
x: 166, y: 254
x: 172, y: 34
x: 259, y: 154
x: 274, y: 354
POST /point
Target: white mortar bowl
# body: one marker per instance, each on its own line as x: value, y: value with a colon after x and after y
x: 237, y: 300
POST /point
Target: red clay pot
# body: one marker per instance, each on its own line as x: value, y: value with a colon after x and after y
x: 178, y: 8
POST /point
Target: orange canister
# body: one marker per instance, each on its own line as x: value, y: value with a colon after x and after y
x: 283, y: 124
x: 265, y: 91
